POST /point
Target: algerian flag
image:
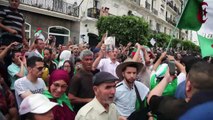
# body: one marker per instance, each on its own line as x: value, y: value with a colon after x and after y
x: 198, y: 16
x: 206, y: 45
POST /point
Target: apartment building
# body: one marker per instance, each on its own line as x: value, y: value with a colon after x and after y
x: 55, y: 17
x: 76, y: 19
x: 162, y: 15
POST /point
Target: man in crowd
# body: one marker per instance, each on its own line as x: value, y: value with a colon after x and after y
x: 109, y: 63
x: 126, y: 89
x: 48, y: 62
x: 17, y: 69
x: 38, y: 48
x: 101, y: 107
x: 32, y: 83
x: 12, y: 24
x: 81, y: 91
x: 198, y: 91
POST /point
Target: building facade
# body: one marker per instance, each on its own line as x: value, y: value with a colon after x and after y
x: 76, y: 19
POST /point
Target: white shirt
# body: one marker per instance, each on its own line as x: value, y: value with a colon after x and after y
x: 107, y: 65
x: 125, y: 98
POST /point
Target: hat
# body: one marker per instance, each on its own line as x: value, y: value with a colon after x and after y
x: 103, y: 77
x: 123, y: 65
x: 59, y: 75
x: 161, y: 70
x: 36, y: 103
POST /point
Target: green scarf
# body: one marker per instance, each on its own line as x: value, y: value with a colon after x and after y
x: 63, y: 98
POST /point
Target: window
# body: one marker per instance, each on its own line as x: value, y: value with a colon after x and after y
x: 62, y: 34
x: 27, y: 30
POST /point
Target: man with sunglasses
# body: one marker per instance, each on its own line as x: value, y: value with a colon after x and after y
x: 32, y: 83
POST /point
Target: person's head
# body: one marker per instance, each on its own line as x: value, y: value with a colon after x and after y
x: 104, y: 87
x: 37, y: 107
x: 86, y: 57
x: 75, y: 50
x: 111, y: 52
x: 14, y: 4
x: 47, y: 54
x: 58, y: 83
x: 16, y: 55
x: 35, y: 66
x: 128, y: 70
x: 39, y: 44
x: 69, y: 67
x: 199, y: 78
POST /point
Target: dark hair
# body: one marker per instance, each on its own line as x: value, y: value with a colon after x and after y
x: 189, y: 61
x: 28, y: 116
x: 13, y: 53
x: 31, y: 62
x: 200, y: 75
x: 49, y: 49
x: 36, y: 41
x: 77, y: 60
x: 130, y: 65
x: 71, y: 67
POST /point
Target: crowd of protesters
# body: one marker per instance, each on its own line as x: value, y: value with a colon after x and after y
x: 105, y: 82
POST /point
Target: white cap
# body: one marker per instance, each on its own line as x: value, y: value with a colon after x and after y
x: 36, y: 103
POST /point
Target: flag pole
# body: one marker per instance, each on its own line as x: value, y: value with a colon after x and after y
x: 167, y: 48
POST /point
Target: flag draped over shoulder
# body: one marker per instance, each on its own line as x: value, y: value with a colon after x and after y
x: 198, y: 16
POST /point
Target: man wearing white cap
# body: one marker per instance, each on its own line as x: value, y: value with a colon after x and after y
x: 37, y: 107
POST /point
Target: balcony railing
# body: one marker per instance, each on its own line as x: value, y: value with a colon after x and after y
x: 147, y: 5
x: 93, y: 13
x: 173, y: 7
x: 171, y: 21
x: 155, y: 11
x: 54, y: 5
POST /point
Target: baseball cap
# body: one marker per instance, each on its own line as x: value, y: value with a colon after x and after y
x: 103, y: 77
x: 36, y: 103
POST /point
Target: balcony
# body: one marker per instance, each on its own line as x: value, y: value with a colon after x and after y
x: 171, y: 21
x: 93, y: 13
x: 170, y: 4
x: 136, y: 1
x: 54, y: 5
x: 173, y: 7
x: 147, y: 5
x: 176, y: 10
x: 155, y: 11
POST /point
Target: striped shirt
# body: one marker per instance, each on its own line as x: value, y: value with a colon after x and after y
x: 12, y: 19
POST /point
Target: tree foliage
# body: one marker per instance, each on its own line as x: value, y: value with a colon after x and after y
x: 134, y: 29
x: 124, y: 28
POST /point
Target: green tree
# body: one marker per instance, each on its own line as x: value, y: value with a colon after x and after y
x: 162, y: 39
x: 124, y: 28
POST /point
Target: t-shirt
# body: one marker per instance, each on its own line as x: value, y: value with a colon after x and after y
x: 171, y: 87
x: 14, y: 20
x: 81, y: 86
x: 23, y: 85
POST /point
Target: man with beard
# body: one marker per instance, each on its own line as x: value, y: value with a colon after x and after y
x: 81, y: 91
x: 101, y: 107
x: 32, y: 83
x: 126, y: 90
x: 48, y: 63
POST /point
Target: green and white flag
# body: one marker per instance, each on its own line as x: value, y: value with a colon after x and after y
x: 198, y: 16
